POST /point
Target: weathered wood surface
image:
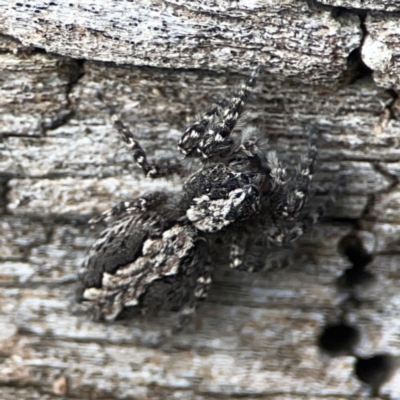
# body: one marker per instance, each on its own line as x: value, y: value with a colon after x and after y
x: 354, y: 5
x: 287, y: 37
x: 256, y: 336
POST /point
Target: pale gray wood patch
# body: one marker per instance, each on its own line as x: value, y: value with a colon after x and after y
x: 381, y: 48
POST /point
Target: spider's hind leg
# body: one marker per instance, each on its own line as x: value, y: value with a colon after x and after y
x: 210, y: 135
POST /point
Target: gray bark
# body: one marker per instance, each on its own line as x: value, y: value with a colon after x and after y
x: 61, y: 162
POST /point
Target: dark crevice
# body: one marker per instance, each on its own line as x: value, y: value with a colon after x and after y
x: 59, y: 219
x: 4, y: 189
x: 200, y: 72
x: 352, y: 247
x: 366, y: 215
x: 337, y: 11
x: 338, y: 339
x: 354, y: 61
x: 354, y: 276
x: 60, y: 120
x: 76, y: 76
x: 356, y: 68
x: 20, y: 49
x: 333, y: 220
x: 393, y: 179
x: 394, y: 106
x: 75, y: 70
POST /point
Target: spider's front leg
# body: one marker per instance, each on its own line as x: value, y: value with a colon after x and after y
x: 210, y: 136
x: 152, y: 170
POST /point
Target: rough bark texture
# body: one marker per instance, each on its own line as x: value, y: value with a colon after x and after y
x: 326, y: 327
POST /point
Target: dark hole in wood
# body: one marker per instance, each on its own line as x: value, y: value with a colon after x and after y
x: 353, y: 249
x: 355, y: 276
x: 375, y: 370
x: 338, y: 339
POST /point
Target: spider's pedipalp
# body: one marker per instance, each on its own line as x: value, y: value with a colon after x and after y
x: 278, y: 180
x: 283, y: 235
x: 297, y: 191
x: 277, y: 172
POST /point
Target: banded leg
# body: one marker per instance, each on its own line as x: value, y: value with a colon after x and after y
x: 249, y: 256
x: 278, y: 181
x: 152, y: 170
x: 189, y: 142
x: 210, y: 135
x: 284, y: 235
x: 297, y: 192
x: 199, y: 293
x: 138, y: 205
x: 241, y: 256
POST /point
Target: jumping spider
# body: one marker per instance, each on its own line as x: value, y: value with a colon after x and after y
x: 154, y: 251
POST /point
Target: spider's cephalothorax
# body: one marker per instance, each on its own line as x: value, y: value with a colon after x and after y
x: 153, y: 252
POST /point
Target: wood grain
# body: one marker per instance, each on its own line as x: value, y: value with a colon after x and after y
x: 258, y: 335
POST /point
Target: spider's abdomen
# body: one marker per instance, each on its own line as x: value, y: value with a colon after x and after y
x: 145, y: 261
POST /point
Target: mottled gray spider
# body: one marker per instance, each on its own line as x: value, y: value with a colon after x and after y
x: 154, y: 251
